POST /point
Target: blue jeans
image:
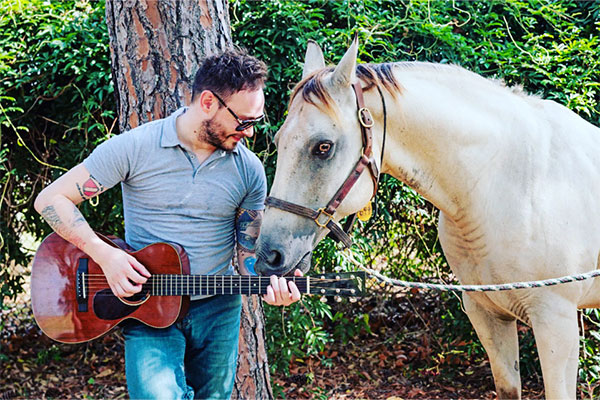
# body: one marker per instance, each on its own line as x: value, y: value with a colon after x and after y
x: 194, y: 358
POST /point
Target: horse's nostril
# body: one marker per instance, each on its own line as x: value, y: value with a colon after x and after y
x: 274, y: 258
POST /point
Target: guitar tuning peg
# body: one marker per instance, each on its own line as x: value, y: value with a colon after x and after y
x: 323, y: 299
x: 337, y: 299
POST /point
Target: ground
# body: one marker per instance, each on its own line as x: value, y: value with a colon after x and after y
x: 401, y: 358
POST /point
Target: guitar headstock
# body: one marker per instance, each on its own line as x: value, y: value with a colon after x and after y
x: 338, y: 284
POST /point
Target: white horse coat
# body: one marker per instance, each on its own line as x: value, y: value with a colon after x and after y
x: 516, y: 178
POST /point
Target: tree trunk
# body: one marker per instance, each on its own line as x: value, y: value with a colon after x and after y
x: 155, y: 50
x: 252, y: 380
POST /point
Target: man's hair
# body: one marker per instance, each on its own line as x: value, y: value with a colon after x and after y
x: 229, y: 72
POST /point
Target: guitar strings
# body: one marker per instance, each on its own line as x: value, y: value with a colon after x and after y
x: 180, y: 279
x: 340, y: 293
x: 165, y: 284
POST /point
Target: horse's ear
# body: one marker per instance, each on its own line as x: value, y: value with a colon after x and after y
x: 345, y: 72
x: 314, y: 59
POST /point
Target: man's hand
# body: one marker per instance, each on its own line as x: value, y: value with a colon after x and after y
x: 125, y: 274
x: 281, y: 292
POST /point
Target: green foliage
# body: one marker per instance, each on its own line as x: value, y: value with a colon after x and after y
x: 48, y: 354
x: 589, y: 359
x: 56, y: 104
x: 346, y: 328
x: 296, y: 332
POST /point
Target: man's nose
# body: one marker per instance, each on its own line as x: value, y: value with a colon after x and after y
x: 248, y: 132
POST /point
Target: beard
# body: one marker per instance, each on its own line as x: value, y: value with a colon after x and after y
x: 214, y: 134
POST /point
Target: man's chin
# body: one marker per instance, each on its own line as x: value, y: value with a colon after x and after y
x: 231, y: 145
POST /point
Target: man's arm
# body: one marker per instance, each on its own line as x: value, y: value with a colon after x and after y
x: 57, y: 203
x: 247, y: 230
x: 280, y: 292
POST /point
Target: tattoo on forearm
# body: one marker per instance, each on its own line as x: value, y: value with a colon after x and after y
x: 90, y: 188
x: 248, y: 228
x: 77, y: 217
x: 50, y: 215
x: 245, y: 261
x: 249, y: 264
x: 57, y: 224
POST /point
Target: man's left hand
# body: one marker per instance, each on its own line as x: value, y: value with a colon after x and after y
x: 282, y: 292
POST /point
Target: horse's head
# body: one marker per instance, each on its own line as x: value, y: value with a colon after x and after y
x: 318, y: 147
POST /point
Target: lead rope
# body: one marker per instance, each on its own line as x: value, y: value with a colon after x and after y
x: 476, y: 288
x: 484, y: 288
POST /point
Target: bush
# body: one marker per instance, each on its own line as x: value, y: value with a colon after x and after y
x: 56, y: 99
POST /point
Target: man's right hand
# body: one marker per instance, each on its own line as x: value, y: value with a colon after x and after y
x: 125, y: 274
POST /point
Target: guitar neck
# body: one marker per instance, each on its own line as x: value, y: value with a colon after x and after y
x: 207, y: 285
x: 334, y: 284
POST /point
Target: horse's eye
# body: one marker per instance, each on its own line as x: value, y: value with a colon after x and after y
x: 322, y: 149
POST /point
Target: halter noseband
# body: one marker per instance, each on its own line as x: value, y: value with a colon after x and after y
x: 324, y: 216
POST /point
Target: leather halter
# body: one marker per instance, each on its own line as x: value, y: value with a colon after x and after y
x: 324, y: 216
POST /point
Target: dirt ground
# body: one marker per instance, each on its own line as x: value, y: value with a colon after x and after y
x: 376, y: 365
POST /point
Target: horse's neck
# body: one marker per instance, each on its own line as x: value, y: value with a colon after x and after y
x: 442, y: 137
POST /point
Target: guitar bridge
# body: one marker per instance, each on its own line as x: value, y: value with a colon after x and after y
x: 82, y: 289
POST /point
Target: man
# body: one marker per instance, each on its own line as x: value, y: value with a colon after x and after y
x: 185, y: 179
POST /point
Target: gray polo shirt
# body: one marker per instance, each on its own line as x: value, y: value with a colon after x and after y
x: 168, y: 196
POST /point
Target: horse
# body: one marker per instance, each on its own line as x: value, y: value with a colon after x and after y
x: 516, y: 179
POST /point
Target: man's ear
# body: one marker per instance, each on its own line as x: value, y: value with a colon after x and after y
x: 206, y: 102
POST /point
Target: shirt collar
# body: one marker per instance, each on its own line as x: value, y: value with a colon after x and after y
x: 169, y: 134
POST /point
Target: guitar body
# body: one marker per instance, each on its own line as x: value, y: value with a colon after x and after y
x: 72, y: 310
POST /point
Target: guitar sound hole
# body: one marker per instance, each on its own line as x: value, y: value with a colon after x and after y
x: 136, y: 297
x: 107, y: 306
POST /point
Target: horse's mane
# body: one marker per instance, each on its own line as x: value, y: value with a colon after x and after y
x: 313, y: 87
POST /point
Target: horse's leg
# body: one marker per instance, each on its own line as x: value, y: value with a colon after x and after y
x: 554, y: 323
x: 500, y: 340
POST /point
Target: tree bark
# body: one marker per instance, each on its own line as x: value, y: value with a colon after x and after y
x: 155, y: 49
x: 252, y: 380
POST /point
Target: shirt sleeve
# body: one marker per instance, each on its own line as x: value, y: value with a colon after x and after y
x: 110, y: 162
x: 257, y: 187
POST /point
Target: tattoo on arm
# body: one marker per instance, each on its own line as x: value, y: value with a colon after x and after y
x: 50, y: 215
x: 90, y: 188
x: 77, y: 218
x: 58, y: 225
x: 248, y: 227
x: 245, y: 261
x: 247, y: 230
x: 249, y: 264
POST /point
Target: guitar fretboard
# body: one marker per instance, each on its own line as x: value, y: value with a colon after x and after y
x: 343, y: 284
x: 192, y: 285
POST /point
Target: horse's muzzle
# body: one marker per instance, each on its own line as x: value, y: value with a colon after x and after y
x: 271, y: 261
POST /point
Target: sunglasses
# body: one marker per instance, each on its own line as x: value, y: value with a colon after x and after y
x: 243, y: 123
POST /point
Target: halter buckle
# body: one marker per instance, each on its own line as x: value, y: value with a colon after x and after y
x: 369, y: 117
x: 326, y: 214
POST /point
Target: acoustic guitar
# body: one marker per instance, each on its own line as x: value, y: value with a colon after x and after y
x: 72, y: 302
